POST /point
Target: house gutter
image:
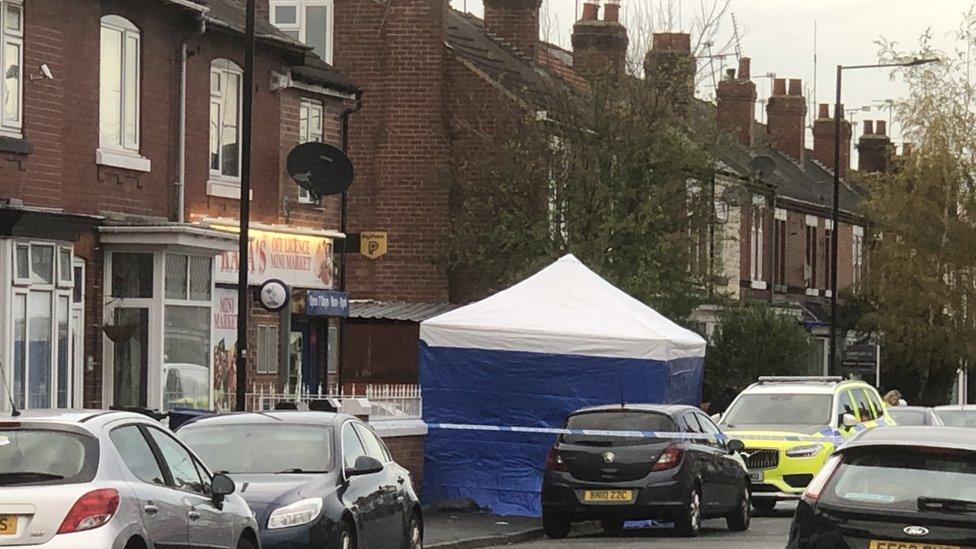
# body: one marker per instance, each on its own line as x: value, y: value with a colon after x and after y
x: 181, y: 161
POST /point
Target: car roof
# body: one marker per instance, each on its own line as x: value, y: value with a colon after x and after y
x: 895, y: 409
x: 804, y: 387
x: 954, y: 438
x: 669, y: 409
x: 90, y: 419
x: 277, y: 416
x: 958, y: 407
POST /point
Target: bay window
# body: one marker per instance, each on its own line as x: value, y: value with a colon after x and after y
x: 12, y: 64
x: 225, y: 122
x: 308, y: 21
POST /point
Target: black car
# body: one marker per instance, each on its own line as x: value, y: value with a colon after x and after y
x: 900, y: 487
x: 614, y: 479
x: 312, y: 479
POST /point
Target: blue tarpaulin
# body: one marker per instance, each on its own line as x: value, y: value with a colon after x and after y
x: 527, y: 357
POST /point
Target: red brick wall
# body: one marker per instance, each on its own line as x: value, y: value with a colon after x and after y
x: 516, y: 22
x: 409, y: 453
x: 380, y: 351
x: 395, y: 53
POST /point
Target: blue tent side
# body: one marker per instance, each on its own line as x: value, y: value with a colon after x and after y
x: 503, y: 471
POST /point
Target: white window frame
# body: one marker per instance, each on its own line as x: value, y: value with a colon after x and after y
x: 300, y: 24
x: 59, y: 292
x: 267, y: 349
x: 185, y: 302
x: 306, y: 134
x: 12, y: 127
x: 128, y: 32
x: 756, y: 228
x: 857, y: 255
x: 221, y: 184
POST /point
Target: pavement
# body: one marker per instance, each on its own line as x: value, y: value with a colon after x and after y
x: 767, y: 532
x: 471, y: 530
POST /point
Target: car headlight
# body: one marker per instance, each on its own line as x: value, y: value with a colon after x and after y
x: 295, y: 514
x: 804, y: 451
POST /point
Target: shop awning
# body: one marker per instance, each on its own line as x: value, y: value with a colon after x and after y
x: 397, y: 310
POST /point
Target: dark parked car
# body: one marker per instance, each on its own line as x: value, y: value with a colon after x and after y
x: 914, y: 416
x: 614, y: 479
x: 903, y: 487
x: 312, y: 479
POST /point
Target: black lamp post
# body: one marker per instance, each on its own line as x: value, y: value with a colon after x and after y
x: 245, y: 213
x: 838, y: 115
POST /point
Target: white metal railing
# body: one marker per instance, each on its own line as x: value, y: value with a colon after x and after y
x: 388, y: 401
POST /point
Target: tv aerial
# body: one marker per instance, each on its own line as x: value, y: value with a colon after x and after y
x: 321, y: 169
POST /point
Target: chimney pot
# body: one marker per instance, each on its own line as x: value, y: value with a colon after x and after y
x: 868, y: 127
x: 591, y: 11
x: 611, y: 11
x: 730, y: 74
x: 779, y: 86
x: 824, y: 111
x: 796, y: 86
x: 881, y: 127
x: 745, y: 68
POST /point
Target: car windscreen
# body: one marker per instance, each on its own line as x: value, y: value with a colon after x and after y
x: 908, y: 418
x: 779, y: 409
x: 43, y: 457
x: 261, y: 448
x: 898, y: 477
x: 958, y: 418
x: 616, y: 420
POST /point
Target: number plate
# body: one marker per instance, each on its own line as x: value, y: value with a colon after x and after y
x: 875, y: 544
x: 756, y: 476
x: 608, y: 496
x: 8, y: 525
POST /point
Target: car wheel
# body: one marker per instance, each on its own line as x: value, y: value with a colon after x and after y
x: 414, y: 538
x: 764, y: 506
x: 245, y: 543
x: 555, y: 527
x: 613, y: 526
x: 741, y: 517
x: 688, y: 524
x: 345, y: 539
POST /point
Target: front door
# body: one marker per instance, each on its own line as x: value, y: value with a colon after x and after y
x: 129, y: 336
x: 301, y: 359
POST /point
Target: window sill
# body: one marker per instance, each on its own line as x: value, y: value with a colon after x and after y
x: 124, y: 160
x: 813, y: 292
x: 16, y: 145
x: 223, y: 188
x: 758, y: 284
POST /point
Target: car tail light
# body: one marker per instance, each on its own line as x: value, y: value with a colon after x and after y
x: 92, y: 510
x: 819, y: 482
x: 555, y: 462
x: 669, y: 459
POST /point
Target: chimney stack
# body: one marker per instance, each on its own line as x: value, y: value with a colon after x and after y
x: 599, y: 46
x: 823, y: 140
x: 786, y: 113
x: 874, y: 148
x: 670, y: 61
x: 515, y: 22
x: 736, y: 96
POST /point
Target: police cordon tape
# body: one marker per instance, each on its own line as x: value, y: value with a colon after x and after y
x: 825, y: 435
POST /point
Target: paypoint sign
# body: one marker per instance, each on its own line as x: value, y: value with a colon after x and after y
x: 373, y: 244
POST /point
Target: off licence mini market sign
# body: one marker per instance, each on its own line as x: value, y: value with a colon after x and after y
x: 300, y: 261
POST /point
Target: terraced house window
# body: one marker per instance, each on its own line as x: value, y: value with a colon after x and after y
x: 310, y: 129
x: 12, y: 63
x: 118, y: 111
x: 225, y: 120
x: 308, y: 21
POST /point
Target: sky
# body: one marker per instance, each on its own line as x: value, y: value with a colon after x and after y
x: 779, y: 37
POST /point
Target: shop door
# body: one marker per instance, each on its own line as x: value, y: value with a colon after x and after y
x: 301, y: 356
x: 130, y: 357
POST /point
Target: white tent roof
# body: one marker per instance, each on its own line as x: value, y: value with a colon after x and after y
x: 564, y: 309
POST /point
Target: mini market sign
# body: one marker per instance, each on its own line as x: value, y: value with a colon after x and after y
x: 299, y: 260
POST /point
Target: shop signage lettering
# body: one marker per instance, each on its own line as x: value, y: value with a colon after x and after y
x: 327, y: 303
x: 298, y: 260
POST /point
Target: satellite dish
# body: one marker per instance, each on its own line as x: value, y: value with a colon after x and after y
x: 762, y: 165
x: 736, y: 195
x: 321, y: 169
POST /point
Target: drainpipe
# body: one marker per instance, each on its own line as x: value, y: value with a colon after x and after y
x: 343, y: 227
x: 181, y: 161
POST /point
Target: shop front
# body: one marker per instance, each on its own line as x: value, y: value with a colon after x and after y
x: 158, y: 301
x: 296, y: 348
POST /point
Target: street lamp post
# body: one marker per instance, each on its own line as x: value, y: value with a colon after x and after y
x: 838, y: 115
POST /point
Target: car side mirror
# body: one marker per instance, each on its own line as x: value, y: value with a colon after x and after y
x: 735, y: 446
x: 365, y: 465
x: 848, y: 421
x: 717, y: 418
x: 220, y: 487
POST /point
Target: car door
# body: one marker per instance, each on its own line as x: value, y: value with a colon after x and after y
x: 705, y: 463
x: 731, y: 472
x: 867, y: 415
x: 161, y: 507
x: 392, y: 510
x: 208, y: 526
x: 362, y: 494
x: 845, y: 405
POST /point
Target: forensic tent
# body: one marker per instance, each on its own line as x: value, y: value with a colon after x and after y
x: 528, y: 356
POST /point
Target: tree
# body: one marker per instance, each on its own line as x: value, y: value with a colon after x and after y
x: 756, y: 340
x: 615, y: 174
x: 921, y: 282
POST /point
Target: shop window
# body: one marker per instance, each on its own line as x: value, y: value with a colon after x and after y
x: 186, y: 345
x: 12, y: 66
x: 132, y: 275
x: 267, y: 355
x: 42, y: 374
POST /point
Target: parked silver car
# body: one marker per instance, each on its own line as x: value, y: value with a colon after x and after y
x: 97, y: 479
